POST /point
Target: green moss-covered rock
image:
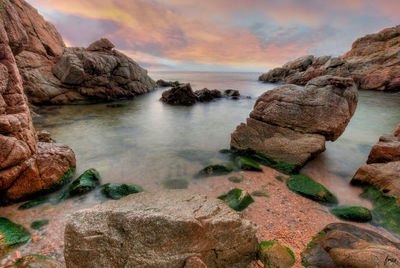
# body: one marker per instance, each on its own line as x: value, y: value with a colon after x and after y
x: 357, y: 214
x: 386, y: 209
x: 85, y: 183
x: 66, y: 178
x: 36, y: 225
x: 36, y: 261
x: 237, y: 199
x: 279, y: 178
x: 246, y: 163
x: 311, y: 189
x: 117, y: 191
x: 215, y: 170
x: 235, y: 179
x: 261, y: 193
x: 275, y: 255
x: 175, y: 184
x: 34, y: 203
x: 12, y: 235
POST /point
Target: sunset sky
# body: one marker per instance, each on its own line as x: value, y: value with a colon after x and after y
x: 219, y: 34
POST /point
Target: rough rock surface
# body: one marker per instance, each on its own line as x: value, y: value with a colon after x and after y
x: 373, y: 62
x: 179, y: 95
x: 160, y: 229
x: 291, y: 123
x: 383, y: 165
x: 25, y: 165
x: 205, y: 94
x: 52, y: 73
x: 36, y: 261
x: 345, y: 245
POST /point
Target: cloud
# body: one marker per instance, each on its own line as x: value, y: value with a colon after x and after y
x: 259, y: 33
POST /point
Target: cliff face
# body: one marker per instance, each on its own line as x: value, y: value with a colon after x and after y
x: 373, y: 62
x: 26, y: 165
x: 40, y: 53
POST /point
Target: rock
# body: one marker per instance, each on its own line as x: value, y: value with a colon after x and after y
x: 12, y: 236
x: 215, y: 170
x: 160, y: 229
x: 85, y: 183
x: 373, y: 62
x: 162, y: 83
x: 232, y: 93
x: 194, y: 262
x: 36, y: 225
x: 385, y: 176
x: 387, y: 149
x: 27, y: 167
x: 179, y: 95
x: 116, y: 190
x: 101, y: 45
x: 44, y: 136
x: 235, y: 179
x: 36, y: 261
x: 357, y: 214
x: 175, y: 184
x: 237, y: 199
x: 345, y: 245
x: 291, y: 123
x: 205, y: 95
x: 275, y: 255
x: 247, y: 164
x: 311, y: 189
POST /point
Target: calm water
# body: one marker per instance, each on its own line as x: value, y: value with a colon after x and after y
x: 146, y: 142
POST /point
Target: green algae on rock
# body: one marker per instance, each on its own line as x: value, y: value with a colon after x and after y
x: 235, y: 179
x: 215, y: 170
x: 260, y: 193
x: 66, y: 178
x: 275, y: 255
x: 34, y: 203
x: 36, y: 261
x: 36, y: 225
x: 311, y: 189
x: 386, y: 210
x: 12, y: 235
x: 237, y: 199
x: 355, y: 213
x: 116, y: 190
x: 85, y: 183
x: 175, y: 184
x: 247, y: 164
x: 279, y: 178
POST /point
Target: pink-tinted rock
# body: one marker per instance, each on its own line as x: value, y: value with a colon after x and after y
x: 387, y: 149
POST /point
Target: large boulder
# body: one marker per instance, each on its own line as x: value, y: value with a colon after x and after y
x: 26, y: 166
x: 52, y: 73
x: 179, y: 95
x: 291, y: 123
x: 373, y: 62
x: 345, y: 245
x: 160, y: 229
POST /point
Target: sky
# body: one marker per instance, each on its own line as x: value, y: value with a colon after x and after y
x: 245, y: 35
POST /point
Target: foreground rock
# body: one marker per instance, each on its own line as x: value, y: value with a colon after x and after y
x: 161, y: 229
x: 273, y: 254
x: 12, y: 235
x: 26, y: 166
x: 345, y: 245
x: 383, y: 165
x: 52, y: 73
x: 292, y: 123
x: 373, y: 62
x: 179, y: 95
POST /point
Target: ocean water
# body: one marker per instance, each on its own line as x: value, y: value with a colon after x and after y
x: 146, y: 142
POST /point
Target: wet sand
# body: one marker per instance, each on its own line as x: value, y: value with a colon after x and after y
x: 284, y: 216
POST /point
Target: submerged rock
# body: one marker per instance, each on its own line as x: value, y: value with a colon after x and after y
x: 247, y: 164
x: 160, y: 229
x: 275, y: 255
x: 11, y: 236
x: 179, y: 95
x: 373, y: 62
x: 175, y: 184
x: 292, y: 123
x: 116, y: 190
x: 309, y: 188
x: 357, y: 214
x: 205, y: 95
x: 37, y: 225
x: 85, y: 183
x: 237, y: 199
x: 345, y: 245
x: 36, y: 261
x: 215, y: 170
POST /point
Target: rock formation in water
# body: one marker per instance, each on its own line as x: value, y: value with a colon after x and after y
x: 291, y: 123
x: 383, y: 165
x: 54, y: 74
x: 26, y: 165
x: 179, y: 95
x: 373, y: 63
x: 345, y: 245
x: 160, y: 229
